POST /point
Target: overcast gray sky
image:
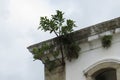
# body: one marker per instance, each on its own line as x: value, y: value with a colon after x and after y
x: 19, y: 20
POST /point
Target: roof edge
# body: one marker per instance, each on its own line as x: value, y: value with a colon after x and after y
x: 90, y: 30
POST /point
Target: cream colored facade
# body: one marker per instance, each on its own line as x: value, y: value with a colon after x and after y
x: 93, y: 58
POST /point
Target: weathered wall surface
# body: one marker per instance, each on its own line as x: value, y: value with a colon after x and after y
x: 56, y: 74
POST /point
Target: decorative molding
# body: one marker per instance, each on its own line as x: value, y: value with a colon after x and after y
x: 106, y: 63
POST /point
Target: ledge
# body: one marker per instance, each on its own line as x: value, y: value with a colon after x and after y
x: 83, y: 35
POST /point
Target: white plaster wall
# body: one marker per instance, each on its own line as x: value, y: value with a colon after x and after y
x: 91, y: 53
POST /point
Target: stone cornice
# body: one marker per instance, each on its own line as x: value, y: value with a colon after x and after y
x: 83, y: 34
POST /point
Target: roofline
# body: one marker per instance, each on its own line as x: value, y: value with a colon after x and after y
x: 89, y: 31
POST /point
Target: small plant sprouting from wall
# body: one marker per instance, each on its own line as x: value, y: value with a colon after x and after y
x: 39, y: 52
x: 106, y: 41
x: 64, y: 44
x: 71, y: 48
